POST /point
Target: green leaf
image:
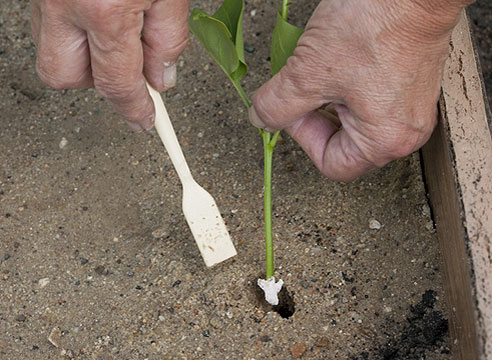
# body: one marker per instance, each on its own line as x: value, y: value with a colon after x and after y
x: 216, y: 39
x: 284, y: 41
x: 222, y: 36
x: 231, y: 14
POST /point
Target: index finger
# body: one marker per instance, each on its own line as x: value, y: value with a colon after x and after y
x: 164, y: 36
x: 117, y: 65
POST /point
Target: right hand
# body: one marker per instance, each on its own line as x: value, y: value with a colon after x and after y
x: 380, y: 63
x: 112, y: 45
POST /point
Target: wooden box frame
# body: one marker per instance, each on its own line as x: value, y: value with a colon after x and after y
x: 457, y: 164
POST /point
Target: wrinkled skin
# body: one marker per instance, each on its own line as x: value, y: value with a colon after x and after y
x: 380, y: 63
x: 112, y: 45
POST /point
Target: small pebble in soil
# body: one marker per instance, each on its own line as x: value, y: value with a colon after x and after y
x: 69, y: 354
x: 20, y: 318
x: 43, y: 282
x: 297, y: 350
x: 249, y: 48
x: 265, y: 338
x: 322, y: 342
x: 159, y: 233
x: 374, y: 224
x: 54, y: 337
x: 63, y: 143
x: 101, y: 270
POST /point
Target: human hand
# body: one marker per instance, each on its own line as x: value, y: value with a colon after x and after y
x: 380, y: 63
x: 112, y: 45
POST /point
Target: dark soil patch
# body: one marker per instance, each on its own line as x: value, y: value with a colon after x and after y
x: 425, y: 331
x: 480, y: 14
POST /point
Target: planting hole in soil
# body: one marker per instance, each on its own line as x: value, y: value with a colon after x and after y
x: 286, y: 305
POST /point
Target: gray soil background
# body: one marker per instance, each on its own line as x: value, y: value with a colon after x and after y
x: 97, y: 262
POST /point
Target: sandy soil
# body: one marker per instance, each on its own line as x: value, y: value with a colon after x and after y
x: 97, y: 262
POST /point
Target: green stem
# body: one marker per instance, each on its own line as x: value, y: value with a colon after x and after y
x: 269, y: 143
x: 267, y: 206
x: 285, y: 9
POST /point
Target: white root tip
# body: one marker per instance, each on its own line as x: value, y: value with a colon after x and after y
x: 271, y: 289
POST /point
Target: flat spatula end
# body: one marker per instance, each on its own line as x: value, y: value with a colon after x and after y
x: 207, y: 226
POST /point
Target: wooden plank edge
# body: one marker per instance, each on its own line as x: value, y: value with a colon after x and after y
x: 457, y: 164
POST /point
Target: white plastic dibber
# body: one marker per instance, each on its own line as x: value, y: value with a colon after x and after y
x: 199, y: 208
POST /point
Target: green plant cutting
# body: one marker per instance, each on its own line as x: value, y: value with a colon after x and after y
x: 221, y: 34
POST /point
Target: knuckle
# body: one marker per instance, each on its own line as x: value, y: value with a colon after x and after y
x: 100, y: 11
x: 116, y: 90
x: 381, y: 147
x: 300, y: 74
x: 399, y: 146
x: 53, y: 79
x: 393, y: 145
x: 308, y: 71
x: 178, y: 45
x: 416, y: 132
x: 395, y: 133
x: 425, y: 123
x: 170, y: 51
x: 405, y: 141
x: 176, y: 41
x: 101, y: 15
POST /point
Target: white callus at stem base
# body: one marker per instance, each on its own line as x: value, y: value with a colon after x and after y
x: 271, y: 289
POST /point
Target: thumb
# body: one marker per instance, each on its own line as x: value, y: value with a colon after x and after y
x: 164, y: 36
x: 288, y: 96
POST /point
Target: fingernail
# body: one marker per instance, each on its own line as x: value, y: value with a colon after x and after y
x: 255, y: 119
x: 134, y: 126
x: 148, y: 123
x: 169, y: 75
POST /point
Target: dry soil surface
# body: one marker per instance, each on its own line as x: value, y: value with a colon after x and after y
x: 97, y: 262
